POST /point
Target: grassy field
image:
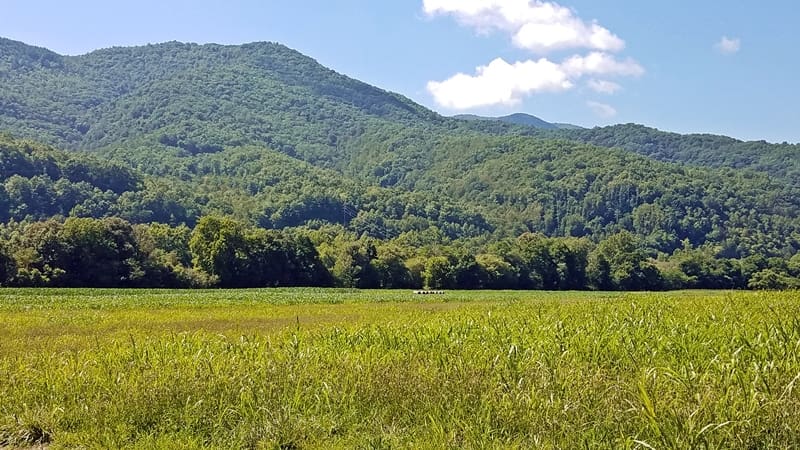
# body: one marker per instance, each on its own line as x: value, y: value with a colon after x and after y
x: 382, y: 369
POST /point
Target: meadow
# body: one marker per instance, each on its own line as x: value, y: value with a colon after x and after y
x: 310, y: 368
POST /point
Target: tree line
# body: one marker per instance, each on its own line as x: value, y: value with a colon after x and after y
x: 223, y: 252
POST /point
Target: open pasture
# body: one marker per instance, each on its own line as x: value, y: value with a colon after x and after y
x: 305, y: 368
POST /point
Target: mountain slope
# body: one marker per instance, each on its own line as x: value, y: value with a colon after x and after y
x: 199, y: 98
x: 782, y: 160
x: 256, y: 184
x: 523, y: 183
x: 202, y: 98
x: 264, y: 133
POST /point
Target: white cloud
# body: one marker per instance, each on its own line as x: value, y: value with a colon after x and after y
x: 502, y: 83
x: 597, y: 63
x: 539, y: 26
x: 499, y: 83
x: 602, y: 110
x: 728, y: 46
x: 535, y: 25
x: 603, y: 86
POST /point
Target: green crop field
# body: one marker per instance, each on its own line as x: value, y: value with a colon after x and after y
x: 387, y: 369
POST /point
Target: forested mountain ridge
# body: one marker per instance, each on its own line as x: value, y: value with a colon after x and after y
x: 706, y: 150
x: 520, y: 119
x: 267, y: 135
x: 199, y: 98
x: 254, y: 184
x: 702, y: 150
x: 563, y: 188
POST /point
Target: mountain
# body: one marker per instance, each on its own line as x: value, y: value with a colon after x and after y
x: 255, y: 184
x: 266, y: 134
x: 560, y: 187
x: 781, y: 160
x: 520, y: 119
x: 198, y: 98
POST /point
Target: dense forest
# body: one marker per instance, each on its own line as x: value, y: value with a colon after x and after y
x: 779, y: 160
x: 188, y: 165
x: 221, y: 251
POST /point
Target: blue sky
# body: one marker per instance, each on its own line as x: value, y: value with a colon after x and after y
x: 663, y: 64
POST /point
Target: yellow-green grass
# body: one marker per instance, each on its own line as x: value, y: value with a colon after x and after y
x: 309, y: 368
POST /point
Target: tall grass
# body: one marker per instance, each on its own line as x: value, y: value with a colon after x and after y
x: 251, y: 369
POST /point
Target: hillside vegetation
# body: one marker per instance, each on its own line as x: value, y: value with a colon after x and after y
x: 705, y: 150
x: 259, y: 133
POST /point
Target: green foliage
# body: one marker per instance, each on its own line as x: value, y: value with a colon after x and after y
x: 437, y: 274
x: 79, y: 252
x: 769, y: 279
x: 562, y: 188
x: 101, y: 253
x: 166, y: 258
x: 499, y: 274
x: 8, y: 267
x: 703, y: 267
x: 621, y: 263
x: 170, y: 240
x: 222, y: 251
x: 28, y: 159
x: 391, y: 268
x: 38, y: 181
x: 218, y: 246
x: 779, y: 160
x: 240, y: 256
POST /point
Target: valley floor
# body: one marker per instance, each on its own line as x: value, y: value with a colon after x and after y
x: 314, y: 368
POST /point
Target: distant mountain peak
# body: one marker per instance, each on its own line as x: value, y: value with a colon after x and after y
x: 18, y: 56
x: 523, y: 119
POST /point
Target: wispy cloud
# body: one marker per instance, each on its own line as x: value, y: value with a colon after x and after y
x: 602, y: 110
x: 597, y: 63
x: 603, y: 86
x: 540, y: 27
x: 728, y: 46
